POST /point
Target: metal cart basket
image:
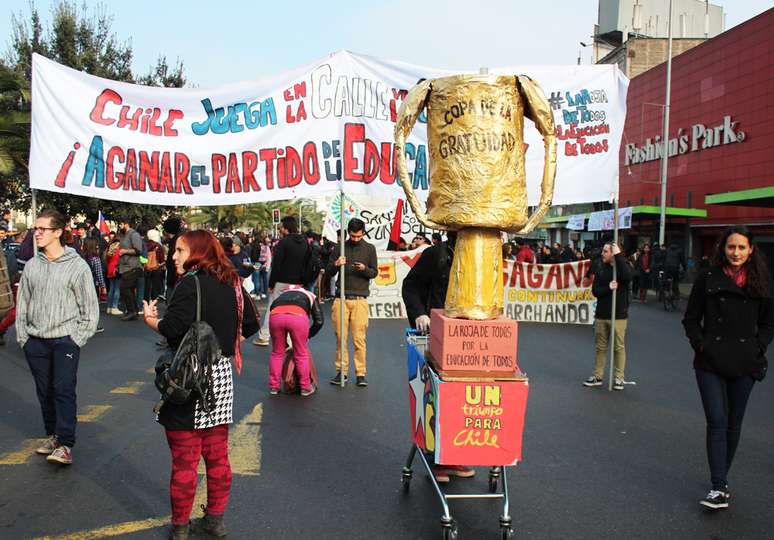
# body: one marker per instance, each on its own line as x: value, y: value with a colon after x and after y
x: 422, y: 378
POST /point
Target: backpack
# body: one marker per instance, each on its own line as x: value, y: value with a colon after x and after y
x: 188, y: 371
x: 152, y: 264
x: 290, y: 381
x: 312, y: 266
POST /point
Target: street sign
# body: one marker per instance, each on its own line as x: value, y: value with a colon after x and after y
x: 276, y: 216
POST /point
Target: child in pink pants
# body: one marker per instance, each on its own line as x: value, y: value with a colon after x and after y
x: 290, y: 315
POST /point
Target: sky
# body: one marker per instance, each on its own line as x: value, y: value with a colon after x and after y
x: 243, y: 40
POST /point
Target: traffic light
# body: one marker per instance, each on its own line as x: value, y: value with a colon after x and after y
x: 276, y: 216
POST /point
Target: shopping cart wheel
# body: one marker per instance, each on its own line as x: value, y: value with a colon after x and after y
x: 406, y: 479
x: 449, y: 527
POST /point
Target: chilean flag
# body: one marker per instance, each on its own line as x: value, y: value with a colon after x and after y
x: 394, y: 242
x: 103, y: 226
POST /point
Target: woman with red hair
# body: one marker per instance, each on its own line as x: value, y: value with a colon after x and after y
x: 191, y: 432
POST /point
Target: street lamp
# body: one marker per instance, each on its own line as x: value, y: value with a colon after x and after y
x: 665, y: 136
x: 579, y: 50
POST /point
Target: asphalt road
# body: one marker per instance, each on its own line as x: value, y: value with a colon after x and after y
x: 596, y: 464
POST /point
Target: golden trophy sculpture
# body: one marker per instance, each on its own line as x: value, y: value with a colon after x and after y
x: 475, y: 133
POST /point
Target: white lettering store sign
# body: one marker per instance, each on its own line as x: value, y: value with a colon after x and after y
x: 700, y: 137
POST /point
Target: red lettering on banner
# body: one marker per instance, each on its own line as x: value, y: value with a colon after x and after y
x: 371, y: 161
x: 182, y: 168
x: 149, y: 170
x: 218, y: 171
x: 233, y: 183
x: 353, y: 133
x: 249, y: 164
x: 107, y: 96
x: 292, y: 167
x: 165, y: 174
x: 268, y: 155
x: 130, y: 173
x: 311, y: 167
x: 173, y: 115
x: 153, y: 127
x: 573, y: 273
x: 517, y: 272
x: 554, y: 275
x: 124, y: 120
x: 534, y: 276
x: 388, y: 169
x: 114, y: 180
x: 146, y: 120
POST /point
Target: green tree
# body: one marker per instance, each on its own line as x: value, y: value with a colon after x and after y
x: 255, y: 216
x: 85, y: 41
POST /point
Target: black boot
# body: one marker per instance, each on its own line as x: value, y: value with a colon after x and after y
x: 209, y: 524
x: 2, y: 339
x: 180, y: 532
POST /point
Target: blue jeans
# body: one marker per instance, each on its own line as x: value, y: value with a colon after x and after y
x: 54, y: 365
x: 114, y: 293
x: 260, y: 281
x: 724, y: 402
x: 140, y: 290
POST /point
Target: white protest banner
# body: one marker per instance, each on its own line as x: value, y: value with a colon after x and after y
x: 378, y: 216
x: 551, y: 293
x: 604, y: 219
x: 294, y: 134
x: 386, y: 301
x: 576, y: 222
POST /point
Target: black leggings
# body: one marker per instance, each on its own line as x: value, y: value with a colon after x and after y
x: 724, y: 402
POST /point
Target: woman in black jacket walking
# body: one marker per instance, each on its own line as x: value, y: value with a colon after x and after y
x: 730, y: 323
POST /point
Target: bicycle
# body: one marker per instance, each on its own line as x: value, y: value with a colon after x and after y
x: 666, y: 292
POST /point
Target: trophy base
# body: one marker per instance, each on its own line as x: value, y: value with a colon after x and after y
x: 476, y: 277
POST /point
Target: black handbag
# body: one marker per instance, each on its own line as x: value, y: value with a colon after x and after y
x: 186, y: 373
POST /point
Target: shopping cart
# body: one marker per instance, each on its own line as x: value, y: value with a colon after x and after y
x: 421, y: 374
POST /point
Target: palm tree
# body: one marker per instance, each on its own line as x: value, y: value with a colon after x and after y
x: 14, y: 121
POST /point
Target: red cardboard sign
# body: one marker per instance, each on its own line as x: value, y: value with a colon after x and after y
x: 480, y: 423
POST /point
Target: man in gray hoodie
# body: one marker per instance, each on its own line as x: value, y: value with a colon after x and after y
x: 57, y: 312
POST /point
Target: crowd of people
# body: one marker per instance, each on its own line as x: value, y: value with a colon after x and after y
x: 191, y: 283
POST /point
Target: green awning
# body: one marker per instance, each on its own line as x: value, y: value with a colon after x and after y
x: 758, y: 197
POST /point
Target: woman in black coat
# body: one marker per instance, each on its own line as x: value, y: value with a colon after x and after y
x: 730, y: 323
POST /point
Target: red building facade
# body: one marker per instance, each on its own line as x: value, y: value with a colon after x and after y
x: 721, y: 132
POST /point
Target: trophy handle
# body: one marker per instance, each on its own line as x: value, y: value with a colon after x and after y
x: 407, y: 116
x: 538, y: 110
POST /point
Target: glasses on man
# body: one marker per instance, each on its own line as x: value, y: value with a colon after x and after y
x: 44, y: 229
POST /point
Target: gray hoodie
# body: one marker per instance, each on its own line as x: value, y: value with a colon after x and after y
x: 57, y: 299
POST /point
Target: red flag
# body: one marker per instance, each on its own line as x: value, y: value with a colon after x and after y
x: 394, y: 242
x: 103, y: 227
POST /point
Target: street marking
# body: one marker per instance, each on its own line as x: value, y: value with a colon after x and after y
x: 245, y: 451
x: 113, y: 530
x: 245, y: 458
x: 21, y: 456
x: 133, y: 387
x: 92, y: 413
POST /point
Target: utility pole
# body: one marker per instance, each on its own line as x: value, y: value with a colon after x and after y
x: 665, y: 135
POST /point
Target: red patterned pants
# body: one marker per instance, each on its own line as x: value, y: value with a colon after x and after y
x: 187, y: 448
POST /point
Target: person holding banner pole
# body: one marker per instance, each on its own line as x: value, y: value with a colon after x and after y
x: 358, y: 266
x: 612, y: 311
x: 611, y: 288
